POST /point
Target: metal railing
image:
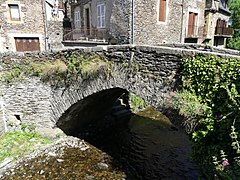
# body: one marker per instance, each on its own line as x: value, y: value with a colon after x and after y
x: 224, y: 31
x: 84, y: 34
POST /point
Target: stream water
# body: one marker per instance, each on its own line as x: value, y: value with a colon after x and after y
x: 144, y: 147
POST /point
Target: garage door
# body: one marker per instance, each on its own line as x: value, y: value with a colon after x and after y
x: 27, y: 44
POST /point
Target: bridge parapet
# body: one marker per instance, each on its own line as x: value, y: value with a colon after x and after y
x: 148, y: 71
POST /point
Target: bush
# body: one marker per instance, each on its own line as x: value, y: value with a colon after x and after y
x: 210, y: 100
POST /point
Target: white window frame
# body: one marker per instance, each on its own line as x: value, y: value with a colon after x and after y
x: 77, y: 18
x: 101, y: 15
x: 14, y: 12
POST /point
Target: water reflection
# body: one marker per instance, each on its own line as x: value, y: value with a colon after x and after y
x: 144, y: 147
x: 148, y: 145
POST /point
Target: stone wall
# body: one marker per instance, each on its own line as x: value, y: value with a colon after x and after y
x: 55, y: 34
x: 201, y: 47
x: 120, y: 22
x: 148, y: 30
x: 197, y: 7
x: 31, y: 23
x: 148, y: 71
x: 27, y: 102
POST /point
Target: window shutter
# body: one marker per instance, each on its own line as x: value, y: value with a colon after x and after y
x: 101, y: 15
x: 162, y: 10
x: 190, y: 23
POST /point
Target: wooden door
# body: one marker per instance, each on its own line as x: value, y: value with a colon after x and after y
x: 27, y: 44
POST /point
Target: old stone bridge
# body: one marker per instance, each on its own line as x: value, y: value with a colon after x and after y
x: 148, y: 71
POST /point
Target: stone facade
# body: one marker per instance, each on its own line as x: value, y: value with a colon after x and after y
x: 55, y: 35
x: 149, y: 30
x: 198, y: 8
x: 120, y: 27
x: 184, y: 21
x: 216, y: 10
x: 84, y: 15
x: 148, y: 71
x: 32, y: 25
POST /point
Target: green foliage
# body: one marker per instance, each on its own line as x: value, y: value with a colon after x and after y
x: 58, y: 71
x: 18, y: 72
x: 189, y: 106
x: 212, y: 85
x: 225, y: 169
x: 234, y: 42
x: 136, y: 103
x: 85, y: 66
x: 19, y: 143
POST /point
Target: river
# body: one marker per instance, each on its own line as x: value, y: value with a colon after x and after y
x: 145, y: 147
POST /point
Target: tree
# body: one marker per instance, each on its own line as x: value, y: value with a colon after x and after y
x: 234, y: 42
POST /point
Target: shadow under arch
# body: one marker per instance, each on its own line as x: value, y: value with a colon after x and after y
x: 88, y: 110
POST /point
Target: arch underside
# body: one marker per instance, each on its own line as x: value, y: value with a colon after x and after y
x: 90, y: 100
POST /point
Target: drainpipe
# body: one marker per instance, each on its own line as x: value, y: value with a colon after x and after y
x: 132, y: 22
x: 181, y: 33
x: 45, y: 24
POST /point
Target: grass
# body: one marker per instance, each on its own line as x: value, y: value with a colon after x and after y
x: 20, y: 143
x: 136, y: 103
x: 73, y: 66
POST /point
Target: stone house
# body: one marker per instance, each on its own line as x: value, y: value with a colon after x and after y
x: 216, y: 21
x: 30, y: 26
x: 150, y: 22
x: 90, y: 20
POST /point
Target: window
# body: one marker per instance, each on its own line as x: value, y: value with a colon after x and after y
x: 162, y: 10
x: 14, y: 12
x: 77, y: 18
x: 101, y: 16
x: 192, y: 24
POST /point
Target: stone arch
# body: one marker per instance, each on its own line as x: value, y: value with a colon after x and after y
x: 89, y: 109
x: 66, y: 102
x: 151, y: 89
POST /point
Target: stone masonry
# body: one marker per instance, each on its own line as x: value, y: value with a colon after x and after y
x: 36, y: 21
x: 148, y: 71
x: 31, y: 23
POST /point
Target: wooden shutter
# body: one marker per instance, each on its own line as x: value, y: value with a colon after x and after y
x: 162, y: 10
x: 191, y: 23
x: 218, y: 27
